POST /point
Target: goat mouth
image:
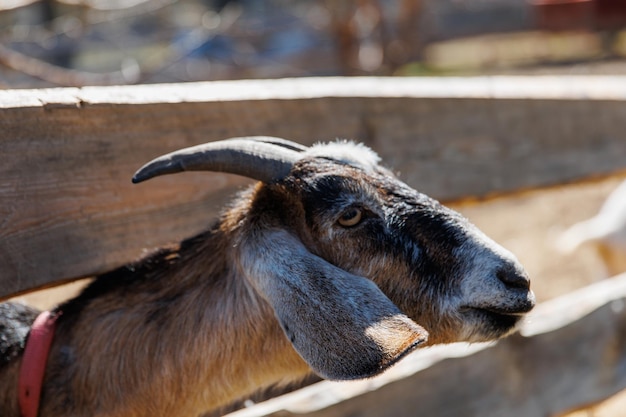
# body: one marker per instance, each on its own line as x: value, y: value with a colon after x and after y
x: 500, y: 311
x: 497, y: 318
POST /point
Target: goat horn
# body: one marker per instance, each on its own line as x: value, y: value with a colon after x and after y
x: 287, y: 144
x: 261, y: 158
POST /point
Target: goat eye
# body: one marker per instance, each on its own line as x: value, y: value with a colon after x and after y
x: 351, y: 217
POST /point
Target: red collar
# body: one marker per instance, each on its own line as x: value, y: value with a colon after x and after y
x: 34, y: 362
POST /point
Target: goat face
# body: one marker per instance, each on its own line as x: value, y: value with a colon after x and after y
x: 359, y: 268
x: 436, y: 266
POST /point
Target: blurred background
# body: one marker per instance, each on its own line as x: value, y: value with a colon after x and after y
x: 48, y: 43
x: 106, y: 42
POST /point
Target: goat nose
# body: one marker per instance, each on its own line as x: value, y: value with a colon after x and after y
x: 513, y: 276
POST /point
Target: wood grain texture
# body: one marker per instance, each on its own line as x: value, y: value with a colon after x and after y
x: 68, y: 209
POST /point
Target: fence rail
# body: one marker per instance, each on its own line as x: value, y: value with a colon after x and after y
x: 68, y: 209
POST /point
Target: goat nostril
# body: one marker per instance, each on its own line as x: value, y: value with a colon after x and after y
x: 513, y: 277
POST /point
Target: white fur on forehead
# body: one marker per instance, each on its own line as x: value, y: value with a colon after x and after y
x: 355, y: 154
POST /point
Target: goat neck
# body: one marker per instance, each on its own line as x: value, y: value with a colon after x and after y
x: 164, y: 338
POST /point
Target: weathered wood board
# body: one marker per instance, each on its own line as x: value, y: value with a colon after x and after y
x: 571, y: 352
x: 68, y: 209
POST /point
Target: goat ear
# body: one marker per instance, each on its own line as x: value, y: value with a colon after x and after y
x: 341, y: 324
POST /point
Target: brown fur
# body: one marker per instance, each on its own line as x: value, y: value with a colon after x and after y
x: 276, y: 288
x: 154, y: 348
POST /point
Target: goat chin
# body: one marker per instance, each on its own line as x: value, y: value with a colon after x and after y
x: 329, y: 265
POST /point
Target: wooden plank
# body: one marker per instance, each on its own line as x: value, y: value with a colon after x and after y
x: 68, y: 210
x: 571, y: 352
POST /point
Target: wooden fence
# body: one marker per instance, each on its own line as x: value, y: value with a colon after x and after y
x: 68, y: 209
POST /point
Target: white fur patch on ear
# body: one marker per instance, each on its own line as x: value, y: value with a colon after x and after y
x: 355, y: 154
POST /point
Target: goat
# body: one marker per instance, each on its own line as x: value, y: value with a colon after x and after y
x: 328, y: 264
x: 605, y: 233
